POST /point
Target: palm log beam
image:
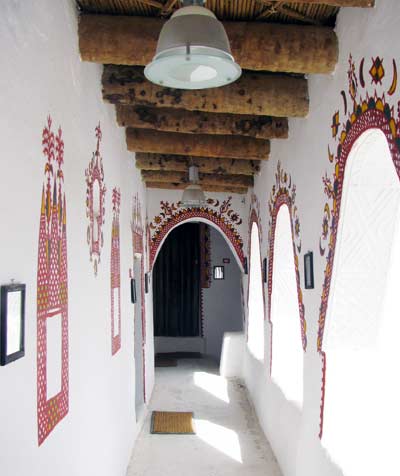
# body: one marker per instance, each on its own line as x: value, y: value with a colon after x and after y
x: 259, y: 94
x: 129, y: 40
x: 331, y: 3
x: 209, y: 179
x: 199, y: 145
x: 206, y: 187
x: 197, y: 122
x: 211, y: 165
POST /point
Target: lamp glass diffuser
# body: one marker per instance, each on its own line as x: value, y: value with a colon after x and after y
x: 193, y: 195
x: 193, y: 52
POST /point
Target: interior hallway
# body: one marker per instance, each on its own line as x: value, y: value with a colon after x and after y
x: 228, y: 440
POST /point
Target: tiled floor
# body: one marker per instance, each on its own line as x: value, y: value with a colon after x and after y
x: 228, y: 440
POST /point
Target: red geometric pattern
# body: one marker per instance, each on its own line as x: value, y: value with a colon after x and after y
x: 205, y: 256
x: 254, y: 218
x: 138, y: 247
x: 172, y: 215
x: 52, y: 281
x: 284, y: 193
x: 95, y: 173
x: 368, y: 113
x: 115, y: 273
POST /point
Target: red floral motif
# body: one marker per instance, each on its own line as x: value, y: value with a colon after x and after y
x: 115, y: 274
x: 95, y: 175
x: 52, y: 282
x: 371, y: 112
x: 172, y: 215
x: 138, y: 247
x: 284, y: 193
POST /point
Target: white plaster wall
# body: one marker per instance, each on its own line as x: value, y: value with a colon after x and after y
x: 41, y: 74
x: 293, y: 433
x: 222, y: 305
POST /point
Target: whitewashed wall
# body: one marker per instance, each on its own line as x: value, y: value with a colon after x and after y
x: 222, y: 304
x: 368, y: 33
x: 41, y: 74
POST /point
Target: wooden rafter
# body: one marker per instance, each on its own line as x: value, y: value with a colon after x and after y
x: 258, y: 94
x: 210, y: 165
x: 206, y: 187
x: 256, y: 46
x: 199, y: 145
x: 197, y: 122
x: 331, y: 3
x: 209, y: 179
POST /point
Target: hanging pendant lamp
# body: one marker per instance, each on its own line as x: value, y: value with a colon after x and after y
x: 193, y: 51
x: 193, y: 195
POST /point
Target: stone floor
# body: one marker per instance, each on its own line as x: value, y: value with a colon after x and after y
x: 228, y: 440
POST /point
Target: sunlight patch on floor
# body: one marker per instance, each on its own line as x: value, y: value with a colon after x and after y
x: 213, y: 384
x: 219, y: 437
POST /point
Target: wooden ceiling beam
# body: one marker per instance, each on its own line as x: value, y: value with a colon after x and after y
x: 206, y: 187
x: 198, y: 145
x: 330, y: 3
x: 210, y: 165
x: 197, y: 122
x: 258, y: 94
x: 209, y: 179
x: 130, y: 40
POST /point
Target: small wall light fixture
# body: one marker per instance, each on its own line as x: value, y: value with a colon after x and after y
x: 245, y: 266
x: 133, y: 291
x: 12, y: 323
x: 265, y: 270
x: 219, y: 272
x: 146, y: 282
x: 309, y: 270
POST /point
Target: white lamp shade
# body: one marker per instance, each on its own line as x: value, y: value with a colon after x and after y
x: 193, y: 52
x: 193, y: 196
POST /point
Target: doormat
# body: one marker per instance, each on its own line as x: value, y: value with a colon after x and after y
x: 172, y: 423
x: 165, y: 361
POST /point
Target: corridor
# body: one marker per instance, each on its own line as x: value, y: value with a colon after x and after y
x: 228, y: 439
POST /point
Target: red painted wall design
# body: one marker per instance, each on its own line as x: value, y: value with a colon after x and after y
x: 254, y: 217
x: 95, y: 178
x: 138, y: 247
x: 284, y: 192
x: 52, y: 281
x: 115, y: 273
x: 217, y: 212
x: 367, y: 112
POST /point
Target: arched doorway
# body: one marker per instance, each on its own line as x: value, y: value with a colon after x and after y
x: 360, y: 340
x: 193, y: 305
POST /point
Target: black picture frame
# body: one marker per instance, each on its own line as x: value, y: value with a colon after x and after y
x: 133, y: 291
x: 265, y: 270
x: 219, y: 273
x: 18, y: 316
x: 309, y: 270
x: 245, y: 266
x: 146, y: 283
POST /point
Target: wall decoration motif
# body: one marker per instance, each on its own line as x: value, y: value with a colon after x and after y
x: 95, y: 203
x: 115, y: 274
x: 254, y: 217
x: 284, y: 193
x: 369, y: 111
x: 52, y: 281
x: 138, y: 248
x: 218, y: 212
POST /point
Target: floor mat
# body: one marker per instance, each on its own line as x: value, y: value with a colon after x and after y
x: 173, y: 423
x: 165, y: 361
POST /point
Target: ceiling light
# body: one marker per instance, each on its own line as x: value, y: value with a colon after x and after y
x: 193, y: 52
x: 193, y: 195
